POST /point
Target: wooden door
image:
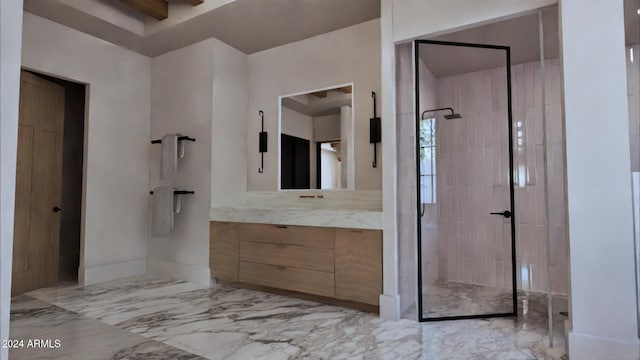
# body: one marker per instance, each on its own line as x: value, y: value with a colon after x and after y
x: 38, y: 184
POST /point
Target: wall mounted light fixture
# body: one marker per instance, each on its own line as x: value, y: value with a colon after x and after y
x: 262, y: 143
x: 375, y: 131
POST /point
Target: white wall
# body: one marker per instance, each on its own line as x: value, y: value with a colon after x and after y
x: 331, y: 171
x: 347, y: 148
x: 340, y: 57
x: 406, y: 165
x: 181, y: 102
x: 229, y: 126
x: 390, y: 299
x: 297, y: 124
x: 200, y: 91
x: 418, y: 18
x: 10, y: 43
x: 115, y: 230
x: 326, y: 128
x: 598, y: 182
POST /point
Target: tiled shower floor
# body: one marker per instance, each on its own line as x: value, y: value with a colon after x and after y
x: 444, y: 299
x: 149, y: 317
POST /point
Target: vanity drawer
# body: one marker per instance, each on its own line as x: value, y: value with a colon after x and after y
x: 287, y: 255
x: 288, y: 278
x: 316, y: 237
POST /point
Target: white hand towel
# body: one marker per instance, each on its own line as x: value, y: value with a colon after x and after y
x: 162, y: 212
x: 169, y: 160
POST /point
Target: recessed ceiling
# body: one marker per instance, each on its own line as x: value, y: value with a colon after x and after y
x: 320, y: 103
x: 248, y: 25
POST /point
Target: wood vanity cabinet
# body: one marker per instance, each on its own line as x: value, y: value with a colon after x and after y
x: 296, y: 258
x: 358, y: 272
x: 223, y: 251
x: 336, y: 263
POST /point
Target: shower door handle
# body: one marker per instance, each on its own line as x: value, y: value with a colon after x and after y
x: 507, y: 214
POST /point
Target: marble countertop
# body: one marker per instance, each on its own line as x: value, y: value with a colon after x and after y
x: 358, y: 219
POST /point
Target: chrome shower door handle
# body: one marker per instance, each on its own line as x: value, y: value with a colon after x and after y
x: 507, y: 214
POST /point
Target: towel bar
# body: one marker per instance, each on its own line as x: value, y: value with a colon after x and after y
x: 179, y: 192
x: 180, y: 138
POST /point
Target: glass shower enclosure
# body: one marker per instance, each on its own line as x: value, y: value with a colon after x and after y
x: 465, y: 171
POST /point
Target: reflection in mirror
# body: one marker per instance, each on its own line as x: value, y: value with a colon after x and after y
x: 316, y: 139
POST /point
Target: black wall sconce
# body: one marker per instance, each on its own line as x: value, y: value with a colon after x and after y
x: 375, y: 131
x: 262, y: 143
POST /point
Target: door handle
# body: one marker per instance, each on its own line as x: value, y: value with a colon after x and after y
x: 507, y: 214
x: 56, y: 209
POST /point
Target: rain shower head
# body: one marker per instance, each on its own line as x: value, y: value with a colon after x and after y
x: 451, y: 116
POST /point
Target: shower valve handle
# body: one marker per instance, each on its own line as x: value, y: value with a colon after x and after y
x: 507, y: 214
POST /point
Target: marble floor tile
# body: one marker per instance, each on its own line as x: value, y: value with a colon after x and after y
x: 73, y: 336
x: 445, y: 298
x: 137, y: 317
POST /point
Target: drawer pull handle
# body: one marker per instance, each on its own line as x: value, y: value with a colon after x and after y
x: 281, y: 226
x: 356, y: 231
x: 307, y: 196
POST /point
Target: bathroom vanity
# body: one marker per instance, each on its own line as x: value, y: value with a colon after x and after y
x: 329, y: 253
x: 316, y: 236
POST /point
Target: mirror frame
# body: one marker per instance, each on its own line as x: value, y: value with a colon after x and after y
x: 351, y: 158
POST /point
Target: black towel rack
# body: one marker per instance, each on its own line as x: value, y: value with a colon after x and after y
x: 179, y: 192
x: 180, y: 138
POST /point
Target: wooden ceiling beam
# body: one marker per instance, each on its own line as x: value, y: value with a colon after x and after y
x: 346, y: 89
x: 157, y: 9
x: 320, y: 94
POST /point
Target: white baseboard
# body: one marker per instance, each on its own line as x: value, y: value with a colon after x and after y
x: 390, y: 307
x: 109, y: 272
x: 585, y: 346
x: 193, y: 273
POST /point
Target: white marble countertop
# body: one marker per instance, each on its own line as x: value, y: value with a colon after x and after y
x: 358, y: 219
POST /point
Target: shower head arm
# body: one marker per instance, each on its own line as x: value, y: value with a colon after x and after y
x: 434, y: 110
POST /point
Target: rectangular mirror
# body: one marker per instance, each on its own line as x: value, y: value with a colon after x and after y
x: 316, y: 139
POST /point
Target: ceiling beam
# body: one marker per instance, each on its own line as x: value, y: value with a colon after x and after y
x: 345, y: 89
x: 157, y: 9
x: 194, y: 2
x: 320, y: 94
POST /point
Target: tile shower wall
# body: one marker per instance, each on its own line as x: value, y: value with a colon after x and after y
x: 406, y: 178
x: 474, y: 247
x: 472, y: 172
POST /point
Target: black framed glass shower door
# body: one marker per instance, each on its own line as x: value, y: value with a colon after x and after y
x: 465, y: 177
